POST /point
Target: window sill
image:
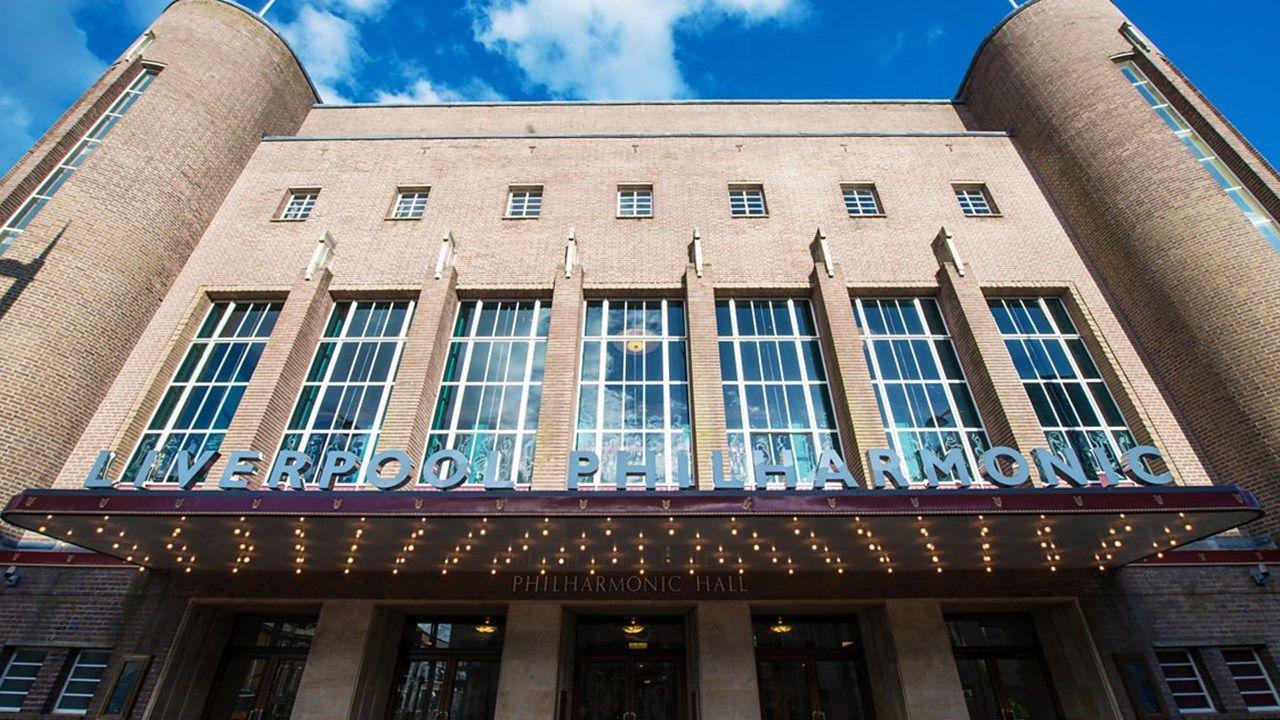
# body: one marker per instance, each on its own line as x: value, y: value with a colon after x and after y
x: 983, y: 217
x: 750, y: 217
x: 289, y: 220
x: 401, y: 219
x: 633, y: 217
x: 521, y: 217
x: 864, y: 217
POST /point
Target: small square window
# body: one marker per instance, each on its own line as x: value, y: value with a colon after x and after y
x: 524, y: 202
x: 747, y: 201
x: 1255, y: 685
x: 19, y: 675
x: 975, y: 200
x: 635, y: 201
x: 82, y: 682
x: 861, y: 200
x: 411, y: 203
x: 299, y: 204
x: 1186, y: 682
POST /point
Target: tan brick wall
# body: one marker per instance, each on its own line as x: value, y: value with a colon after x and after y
x: 1193, y: 280
x: 610, y: 118
x: 79, y: 286
x: 1027, y: 247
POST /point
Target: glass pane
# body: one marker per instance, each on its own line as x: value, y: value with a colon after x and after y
x: 1025, y: 689
x: 601, y: 690
x: 784, y: 690
x: 839, y: 690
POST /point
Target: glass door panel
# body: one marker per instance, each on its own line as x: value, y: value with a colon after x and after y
x: 1001, y: 667
x: 811, y: 668
x: 655, y: 689
x: 1024, y: 688
x: 237, y: 694
x: 979, y: 690
x: 283, y: 688
x: 838, y: 695
x: 420, y: 697
x: 784, y: 690
x: 602, y: 690
x: 475, y: 689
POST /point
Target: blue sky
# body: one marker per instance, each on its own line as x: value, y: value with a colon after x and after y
x: 434, y: 50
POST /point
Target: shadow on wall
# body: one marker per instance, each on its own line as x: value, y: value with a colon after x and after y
x: 23, y: 273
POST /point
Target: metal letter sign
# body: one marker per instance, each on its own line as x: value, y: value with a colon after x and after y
x: 449, y: 469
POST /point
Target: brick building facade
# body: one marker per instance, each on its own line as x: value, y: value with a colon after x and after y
x: 749, y: 293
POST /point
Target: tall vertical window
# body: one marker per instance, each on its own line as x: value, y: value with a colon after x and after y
x: 491, y: 390
x: 860, y: 199
x: 350, y: 380
x: 411, y: 203
x: 205, y: 391
x: 1071, y: 400
x: 524, y: 202
x: 1251, y: 678
x: 747, y: 201
x: 298, y: 205
x: 18, y: 677
x: 82, y: 682
x: 635, y: 201
x: 922, y: 392
x: 975, y: 200
x: 1186, y: 684
x: 776, y: 400
x: 1208, y: 159
x: 633, y: 395
x: 28, y: 210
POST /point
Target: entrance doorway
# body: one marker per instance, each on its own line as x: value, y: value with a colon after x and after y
x: 629, y: 669
x: 261, y: 668
x: 811, y: 669
x: 448, y: 669
x: 1002, y: 669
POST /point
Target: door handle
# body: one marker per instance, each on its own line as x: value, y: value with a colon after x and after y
x: 818, y: 715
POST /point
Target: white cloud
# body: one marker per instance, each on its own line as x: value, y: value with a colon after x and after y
x: 607, y: 49
x: 424, y: 90
x: 368, y: 8
x: 934, y: 34
x: 45, y: 66
x: 328, y: 46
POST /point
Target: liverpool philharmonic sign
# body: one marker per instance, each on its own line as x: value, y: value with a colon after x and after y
x: 450, y: 469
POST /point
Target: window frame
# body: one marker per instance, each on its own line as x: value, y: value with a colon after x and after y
x: 1062, y: 338
x: 12, y: 660
x: 1223, y: 176
x: 605, y: 478
x: 739, y: 383
x: 73, y: 662
x: 459, y: 385
x: 969, y: 186
x: 634, y: 188
x: 527, y: 189
x: 880, y: 384
x: 308, y: 207
x: 401, y: 195
x: 1190, y: 658
x: 857, y: 185
x: 747, y: 187
x: 16, y: 223
x: 1264, y: 675
x: 192, y: 382
x: 143, y: 662
x: 323, y: 384
x: 1133, y: 693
